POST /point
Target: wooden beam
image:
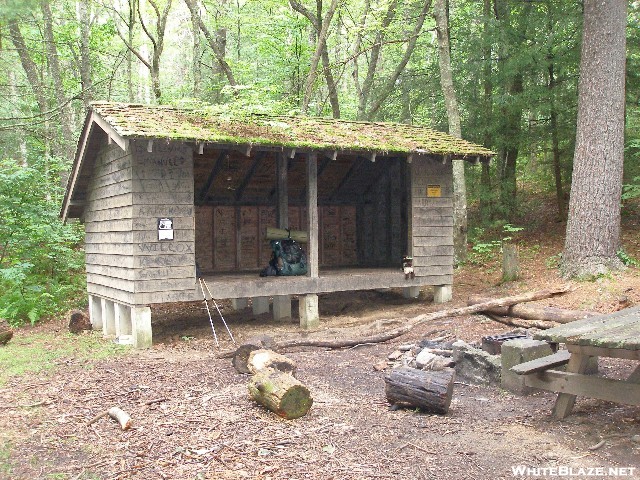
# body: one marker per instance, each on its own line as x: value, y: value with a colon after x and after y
x: 325, y: 162
x: 113, y: 135
x: 282, y: 209
x: 383, y: 170
x: 332, y: 154
x: 204, y: 191
x: 312, y: 216
x: 249, y: 175
x: 355, y: 166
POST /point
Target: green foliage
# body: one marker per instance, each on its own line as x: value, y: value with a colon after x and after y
x: 631, y: 190
x: 40, y: 258
x: 627, y: 259
x: 42, y: 351
x: 485, y: 249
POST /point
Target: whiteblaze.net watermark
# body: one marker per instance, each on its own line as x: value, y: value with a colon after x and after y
x: 566, y: 471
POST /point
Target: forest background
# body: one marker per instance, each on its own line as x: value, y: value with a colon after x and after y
x: 514, y: 64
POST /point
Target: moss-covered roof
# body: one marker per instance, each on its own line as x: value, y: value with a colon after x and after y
x: 202, y: 125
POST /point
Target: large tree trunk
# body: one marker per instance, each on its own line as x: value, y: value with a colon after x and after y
x: 66, y: 148
x: 593, y: 226
x: 428, y: 390
x: 280, y: 392
x: 555, y: 145
x: 84, y: 19
x: 440, y: 12
x: 486, y: 192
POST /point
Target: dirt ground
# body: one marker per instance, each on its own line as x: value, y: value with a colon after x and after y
x: 193, y: 418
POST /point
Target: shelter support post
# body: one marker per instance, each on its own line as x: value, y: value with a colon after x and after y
x: 442, y: 293
x: 239, y: 303
x: 260, y: 305
x: 108, y: 318
x: 123, y: 323
x: 95, y: 312
x: 308, y: 310
x: 281, y: 307
x: 141, y: 327
x: 411, y: 292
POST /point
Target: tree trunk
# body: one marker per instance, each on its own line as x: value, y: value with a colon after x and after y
x: 29, y: 66
x: 241, y: 354
x: 280, y: 393
x: 486, y: 191
x: 66, y: 148
x: 367, y: 84
x: 84, y: 20
x: 321, y: 45
x: 440, y: 12
x: 387, y: 87
x: 425, y: 389
x: 213, y: 43
x: 593, y: 226
x: 555, y: 147
x: 510, y: 263
x: 133, y: 8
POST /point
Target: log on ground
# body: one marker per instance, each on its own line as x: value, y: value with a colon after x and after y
x: 428, y: 390
x: 240, y: 358
x: 280, y: 393
x: 533, y: 312
x: 261, y: 359
x: 6, y: 333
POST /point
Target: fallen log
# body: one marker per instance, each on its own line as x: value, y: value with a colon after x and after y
x: 533, y: 312
x: 280, y: 393
x: 428, y: 390
x: 413, y: 322
x: 261, y: 359
x: 516, y: 322
x: 118, y: 415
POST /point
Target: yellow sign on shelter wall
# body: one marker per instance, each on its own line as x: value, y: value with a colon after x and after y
x: 434, y: 191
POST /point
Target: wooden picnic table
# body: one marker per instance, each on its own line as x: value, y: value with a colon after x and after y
x: 615, y: 335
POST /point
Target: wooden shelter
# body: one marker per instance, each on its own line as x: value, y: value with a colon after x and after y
x: 160, y: 189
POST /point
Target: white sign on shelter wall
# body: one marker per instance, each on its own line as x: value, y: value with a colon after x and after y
x: 165, y: 229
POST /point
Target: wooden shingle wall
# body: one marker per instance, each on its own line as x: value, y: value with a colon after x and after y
x: 108, y: 218
x: 432, y: 219
x: 162, y: 187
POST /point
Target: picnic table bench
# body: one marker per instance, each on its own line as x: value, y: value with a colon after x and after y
x: 615, y: 335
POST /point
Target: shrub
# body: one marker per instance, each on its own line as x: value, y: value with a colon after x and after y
x: 40, y: 258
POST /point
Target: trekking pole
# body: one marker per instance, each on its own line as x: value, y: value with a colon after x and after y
x: 219, y: 312
x: 206, y: 304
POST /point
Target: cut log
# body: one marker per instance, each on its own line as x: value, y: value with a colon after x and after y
x: 533, y: 312
x: 5, y: 336
x: 280, y: 393
x: 241, y: 354
x: 78, y: 321
x: 280, y: 233
x: 261, y: 359
x: 118, y: 415
x: 121, y: 417
x: 430, y: 391
x: 409, y: 324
